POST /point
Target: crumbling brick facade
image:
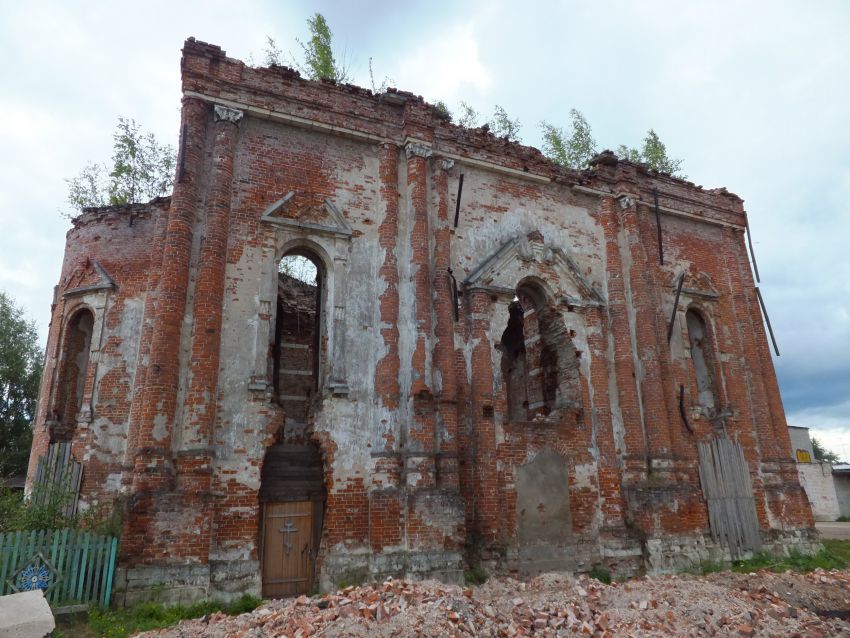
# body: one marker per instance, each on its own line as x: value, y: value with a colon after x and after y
x: 487, y: 376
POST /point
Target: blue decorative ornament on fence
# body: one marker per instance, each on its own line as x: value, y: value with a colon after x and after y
x: 35, y: 573
x: 34, y: 577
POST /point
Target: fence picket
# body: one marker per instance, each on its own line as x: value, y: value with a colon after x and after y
x: 71, y: 562
x: 94, y: 564
x: 55, y: 536
x: 107, y: 592
x: 101, y: 572
x: 4, y: 557
x: 78, y: 595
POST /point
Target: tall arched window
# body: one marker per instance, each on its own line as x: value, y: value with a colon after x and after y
x: 539, y: 362
x: 297, y: 349
x: 702, y: 358
x: 72, y: 374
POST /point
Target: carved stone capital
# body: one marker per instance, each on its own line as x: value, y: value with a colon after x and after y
x: 420, y: 150
x: 447, y: 164
x: 626, y: 201
x: 227, y: 114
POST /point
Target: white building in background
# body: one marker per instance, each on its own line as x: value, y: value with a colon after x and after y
x: 827, y: 486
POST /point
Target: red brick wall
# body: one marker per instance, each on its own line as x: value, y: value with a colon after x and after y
x: 420, y: 451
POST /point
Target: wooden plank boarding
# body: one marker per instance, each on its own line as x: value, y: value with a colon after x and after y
x: 727, y: 487
x: 58, y: 471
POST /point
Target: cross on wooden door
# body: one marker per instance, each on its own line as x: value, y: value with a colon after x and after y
x: 287, y: 572
x: 287, y: 539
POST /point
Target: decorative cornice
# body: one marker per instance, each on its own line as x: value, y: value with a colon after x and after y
x: 418, y: 149
x: 227, y: 114
x: 626, y: 200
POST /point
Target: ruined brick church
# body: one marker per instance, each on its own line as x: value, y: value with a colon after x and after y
x: 499, y: 361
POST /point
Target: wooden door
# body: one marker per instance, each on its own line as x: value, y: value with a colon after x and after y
x: 287, y: 549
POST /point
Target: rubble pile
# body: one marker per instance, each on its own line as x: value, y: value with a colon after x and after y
x: 764, y: 604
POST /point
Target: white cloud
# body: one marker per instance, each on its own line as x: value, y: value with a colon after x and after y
x: 445, y: 66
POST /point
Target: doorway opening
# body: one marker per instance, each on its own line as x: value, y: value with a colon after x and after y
x: 292, y: 504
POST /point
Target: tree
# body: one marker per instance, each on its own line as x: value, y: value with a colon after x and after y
x: 574, y: 150
x: 274, y: 56
x: 503, y: 126
x: 320, y: 61
x: 383, y: 86
x: 653, y: 154
x: 142, y: 169
x: 468, y: 116
x: 822, y: 454
x: 20, y: 374
x: 443, y: 110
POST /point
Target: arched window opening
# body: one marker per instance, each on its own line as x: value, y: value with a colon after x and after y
x: 539, y: 362
x: 296, y: 350
x: 702, y: 359
x: 72, y: 374
x: 513, y: 364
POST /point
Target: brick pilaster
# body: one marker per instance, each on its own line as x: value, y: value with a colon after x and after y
x: 153, y: 463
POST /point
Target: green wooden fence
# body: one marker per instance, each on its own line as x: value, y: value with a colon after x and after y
x: 70, y: 566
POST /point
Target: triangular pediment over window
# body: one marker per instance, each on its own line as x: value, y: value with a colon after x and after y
x: 324, y: 218
x: 699, y: 285
x: 529, y: 256
x: 90, y: 277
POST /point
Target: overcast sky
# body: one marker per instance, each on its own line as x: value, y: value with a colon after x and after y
x: 755, y: 96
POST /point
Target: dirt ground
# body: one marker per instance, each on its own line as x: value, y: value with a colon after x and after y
x: 787, y: 605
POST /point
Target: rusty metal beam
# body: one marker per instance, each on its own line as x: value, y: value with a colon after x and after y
x: 750, y: 244
x: 675, y: 306
x: 457, y: 202
x: 767, y: 320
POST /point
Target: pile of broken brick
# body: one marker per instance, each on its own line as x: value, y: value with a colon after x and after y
x: 551, y: 605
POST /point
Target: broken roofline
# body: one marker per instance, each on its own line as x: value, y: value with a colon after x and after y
x: 397, y: 117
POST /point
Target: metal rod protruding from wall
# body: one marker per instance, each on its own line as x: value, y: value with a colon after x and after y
x: 682, y: 412
x: 181, y: 170
x: 658, y: 226
x: 767, y: 321
x: 675, y: 306
x: 750, y: 244
x: 457, y: 203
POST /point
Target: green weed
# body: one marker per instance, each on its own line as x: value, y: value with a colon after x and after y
x: 475, y: 576
x: 125, y: 622
x: 796, y: 561
x: 602, y: 574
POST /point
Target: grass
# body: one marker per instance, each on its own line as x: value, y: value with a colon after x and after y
x: 834, y: 555
x: 795, y: 561
x: 475, y: 576
x: 602, y: 574
x: 121, y: 623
